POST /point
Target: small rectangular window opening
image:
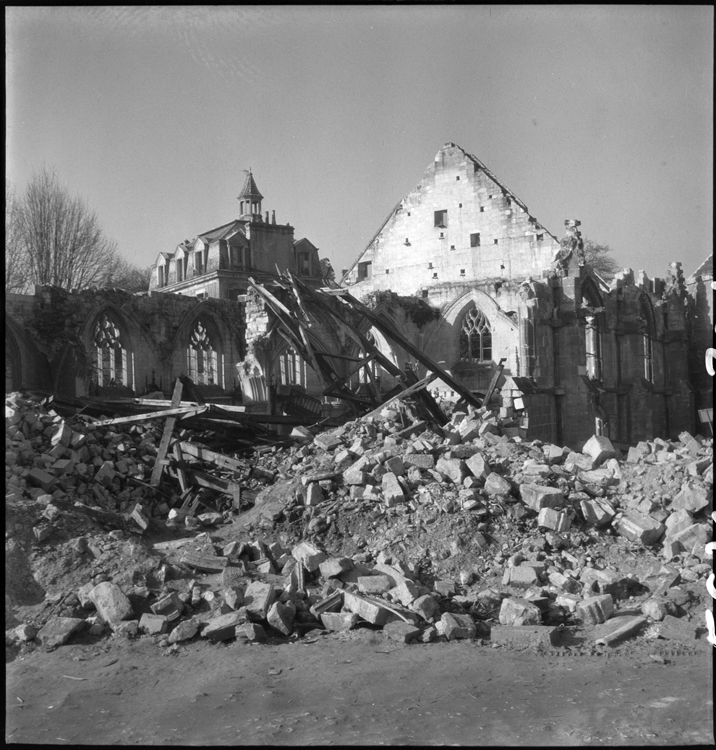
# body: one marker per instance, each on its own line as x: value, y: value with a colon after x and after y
x: 482, y: 209
x: 475, y: 239
x: 458, y: 177
x: 425, y: 293
x: 440, y: 218
x: 452, y: 247
x: 497, y: 242
x: 387, y: 270
x: 435, y: 275
x: 459, y: 205
x: 462, y: 272
x: 430, y: 265
x: 540, y: 237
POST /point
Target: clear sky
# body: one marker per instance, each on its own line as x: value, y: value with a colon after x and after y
x: 599, y: 113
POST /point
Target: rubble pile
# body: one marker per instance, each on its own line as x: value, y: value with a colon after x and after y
x: 467, y: 531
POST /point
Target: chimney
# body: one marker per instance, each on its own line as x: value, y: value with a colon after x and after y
x: 273, y: 217
x: 267, y: 217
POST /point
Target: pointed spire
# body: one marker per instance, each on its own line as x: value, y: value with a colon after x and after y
x: 250, y: 199
x: 250, y: 191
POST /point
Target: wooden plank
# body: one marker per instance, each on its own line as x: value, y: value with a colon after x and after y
x: 215, y: 483
x: 181, y: 469
x: 218, y: 459
x: 177, y: 412
x: 493, y: 382
x: 166, y: 437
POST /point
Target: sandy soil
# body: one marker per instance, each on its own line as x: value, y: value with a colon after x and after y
x: 357, y: 688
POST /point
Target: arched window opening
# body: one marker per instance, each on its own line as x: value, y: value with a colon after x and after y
x: 593, y: 348
x: 292, y: 368
x: 202, y: 357
x: 475, y: 337
x: 111, y: 355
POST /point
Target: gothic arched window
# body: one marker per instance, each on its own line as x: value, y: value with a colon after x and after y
x: 292, y: 368
x: 475, y: 337
x: 202, y: 357
x: 111, y: 354
x: 648, y: 331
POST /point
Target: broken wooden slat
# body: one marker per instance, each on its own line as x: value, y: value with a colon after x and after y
x: 205, y: 563
x: 183, y: 412
x: 219, y: 459
x: 214, y: 483
x: 493, y: 382
x: 166, y: 437
x: 181, y: 472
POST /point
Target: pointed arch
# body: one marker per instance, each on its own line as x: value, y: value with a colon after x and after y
x: 205, y: 352
x: 592, y: 306
x: 648, y: 332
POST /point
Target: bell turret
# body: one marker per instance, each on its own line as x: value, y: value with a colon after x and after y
x: 250, y: 199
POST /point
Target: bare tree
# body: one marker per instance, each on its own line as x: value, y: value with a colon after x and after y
x: 16, y: 266
x: 598, y: 259
x: 327, y: 271
x: 129, y: 277
x: 61, y: 237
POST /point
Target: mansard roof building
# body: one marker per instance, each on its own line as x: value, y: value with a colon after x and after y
x: 218, y: 263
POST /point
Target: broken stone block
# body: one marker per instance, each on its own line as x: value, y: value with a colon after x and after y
x: 308, y: 555
x: 153, y: 624
x: 692, y: 497
x: 479, y: 467
x: 497, y: 485
x: 563, y: 582
x: 395, y: 465
x: 596, y: 609
x: 105, y: 474
x: 313, y: 494
x: 601, y: 478
x: 335, y: 566
x: 537, y: 496
x: 403, y: 632
x: 258, y: 597
x: 42, y: 479
x: 252, y: 632
x: 369, y: 610
x: 339, y: 621
x: 698, y: 534
x: 302, y: 433
x: 524, y: 636
x: 125, y: 628
x: 110, y: 602
x: 578, y: 462
x: 374, y: 584
x: 516, y: 611
x: 183, y: 631
x: 600, y: 448
x: 617, y: 629
x: 520, y: 577
x: 62, y: 435
x: 677, y: 629
x: 280, y: 617
x: 692, y: 444
x: 419, y: 460
x: 392, y: 491
x: 558, y: 521
x: 444, y: 588
x: 639, y: 528
x: 455, y: 626
x: 654, y: 609
x: 58, y: 630
x: 597, y: 512
x: 331, y: 603
x: 426, y: 607
x: 223, y: 627
x: 137, y: 515
x: 453, y: 468
x: 233, y: 597
x: 406, y: 592
x: 678, y: 521
x: 24, y: 632
x: 327, y: 441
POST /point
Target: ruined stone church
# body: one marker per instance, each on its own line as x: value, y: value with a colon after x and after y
x: 460, y: 268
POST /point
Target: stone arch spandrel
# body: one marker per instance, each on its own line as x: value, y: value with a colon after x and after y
x: 28, y: 366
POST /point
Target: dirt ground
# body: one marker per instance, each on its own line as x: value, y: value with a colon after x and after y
x: 357, y: 688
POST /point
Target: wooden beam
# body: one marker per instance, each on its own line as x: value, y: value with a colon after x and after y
x: 166, y: 437
x: 177, y: 412
x: 214, y: 483
x: 218, y: 459
x: 493, y: 382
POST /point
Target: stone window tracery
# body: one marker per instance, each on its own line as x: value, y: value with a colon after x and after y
x: 202, y: 357
x: 111, y: 354
x: 475, y: 337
